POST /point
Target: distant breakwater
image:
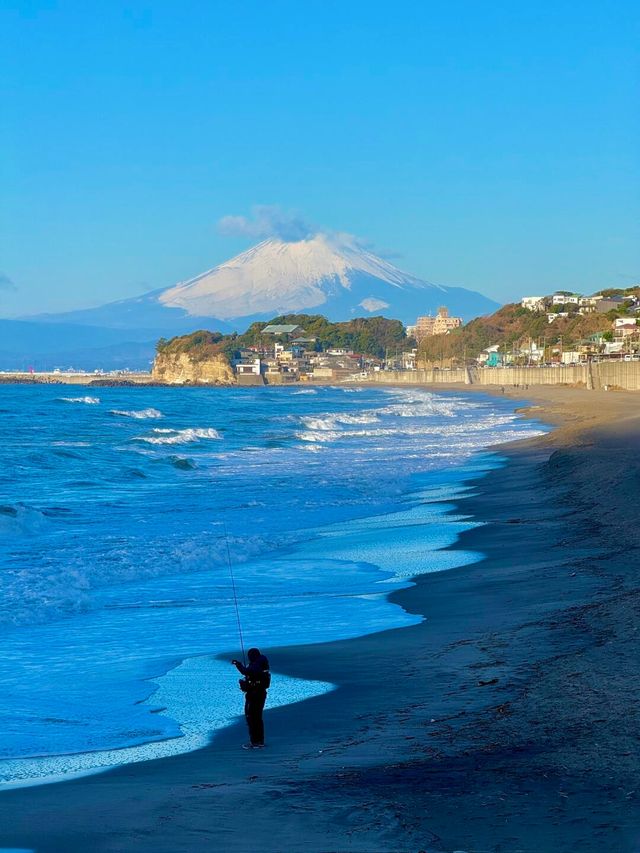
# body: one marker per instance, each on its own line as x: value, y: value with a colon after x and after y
x: 133, y: 379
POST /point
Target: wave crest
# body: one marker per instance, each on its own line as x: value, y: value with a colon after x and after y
x: 332, y: 422
x: 89, y: 401
x: 180, y: 436
x: 138, y: 414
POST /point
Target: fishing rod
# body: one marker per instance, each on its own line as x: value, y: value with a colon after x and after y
x: 235, y: 597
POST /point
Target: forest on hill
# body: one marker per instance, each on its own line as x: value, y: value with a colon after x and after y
x: 372, y: 336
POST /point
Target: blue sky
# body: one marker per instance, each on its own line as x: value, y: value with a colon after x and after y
x: 491, y: 145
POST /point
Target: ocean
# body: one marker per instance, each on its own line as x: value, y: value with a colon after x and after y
x: 121, y: 509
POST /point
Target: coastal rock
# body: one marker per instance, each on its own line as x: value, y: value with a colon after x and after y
x: 176, y: 364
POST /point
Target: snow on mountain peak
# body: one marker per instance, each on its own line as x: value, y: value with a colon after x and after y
x: 280, y: 277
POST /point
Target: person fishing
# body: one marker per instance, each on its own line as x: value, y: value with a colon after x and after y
x: 254, y: 685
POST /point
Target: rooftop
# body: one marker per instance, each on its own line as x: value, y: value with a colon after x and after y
x: 279, y: 330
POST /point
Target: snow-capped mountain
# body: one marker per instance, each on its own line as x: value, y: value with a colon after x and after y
x: 321, y: 274
x: 331, y: 276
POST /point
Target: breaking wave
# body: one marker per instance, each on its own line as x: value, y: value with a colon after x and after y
x: 179, y: 436
x: 49, y: 591
x: 330, y: 422
x: 140, y: 414
x: 304, y: 391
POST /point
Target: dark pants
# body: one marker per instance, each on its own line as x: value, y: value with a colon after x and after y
x: 253, y: 705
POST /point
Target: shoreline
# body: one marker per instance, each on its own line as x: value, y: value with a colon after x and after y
x: 384, y: 762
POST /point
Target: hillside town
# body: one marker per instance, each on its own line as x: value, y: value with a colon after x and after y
x: 292, y: 356
x: 620, y: 340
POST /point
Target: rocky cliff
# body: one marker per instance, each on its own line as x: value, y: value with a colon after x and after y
x: 192, y: 360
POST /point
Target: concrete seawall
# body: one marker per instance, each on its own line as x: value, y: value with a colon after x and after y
x: 624, y: 375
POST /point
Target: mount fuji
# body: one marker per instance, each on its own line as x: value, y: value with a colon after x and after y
x: 327, y: 274
x: 333, y: 276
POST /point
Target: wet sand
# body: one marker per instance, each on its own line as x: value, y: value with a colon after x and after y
x: 507, y: 721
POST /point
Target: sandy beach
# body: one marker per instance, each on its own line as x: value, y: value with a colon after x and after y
x: 507, y: 721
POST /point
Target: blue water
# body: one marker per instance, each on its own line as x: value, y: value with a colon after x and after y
x: 115, y: 588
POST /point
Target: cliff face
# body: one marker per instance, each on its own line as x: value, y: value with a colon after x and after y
x: 180, y: 368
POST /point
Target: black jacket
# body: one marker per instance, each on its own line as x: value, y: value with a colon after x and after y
x: 254, y: 672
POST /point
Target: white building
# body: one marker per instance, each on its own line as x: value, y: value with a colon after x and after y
x: 244, y: 368
x: 563, y: 299
x: 588, y: 304
x: 533, y: 303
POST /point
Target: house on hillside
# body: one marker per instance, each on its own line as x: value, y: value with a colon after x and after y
x: 490, y: 357
x: 587, y: 304
x: 625, y: 327
x: 533, y: 303
x: 566, y: 299
x: 609, y: 303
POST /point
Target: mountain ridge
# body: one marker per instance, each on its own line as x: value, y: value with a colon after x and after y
x: 333, y: 274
